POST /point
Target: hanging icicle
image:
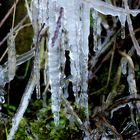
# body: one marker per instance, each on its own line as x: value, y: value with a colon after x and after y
x: 2, y: 99
x: 73, y: 32
x: 11, y: 56
x: 41, y: 7
x: 124, y: 63
x: 37, y: 25
x: 76, y: 25
x: 2, y: 77
x: 55, y: 17
x: 96, y: 30
x: 67, y: 24
x: 37, y: 72
x: 73, y: 19
x: 122, y: 32
x: 123, y: 14
x: 77, y: 31
x: 131, y: 81
x: 84, y: 57
x: 95, y: 36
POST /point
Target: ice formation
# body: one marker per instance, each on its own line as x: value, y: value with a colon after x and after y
x: 11, y: 56
x: 124, y: 66
x: 76, y: 30
x: 96, y: 30
x: 23, y: 105
x: 68, y: 29
x: 68, y: 25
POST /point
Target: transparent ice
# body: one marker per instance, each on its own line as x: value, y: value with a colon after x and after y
x: 124, y: 66
x: 11, y: 56
x: 68, y: 24
x: 76, y: 33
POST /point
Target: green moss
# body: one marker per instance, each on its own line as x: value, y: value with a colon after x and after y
x: 43, y: 126
x: 2, y: 131
x: 24, y: 40
x: 21, y: 134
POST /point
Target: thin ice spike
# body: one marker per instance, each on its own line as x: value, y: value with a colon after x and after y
x: 11, y: 56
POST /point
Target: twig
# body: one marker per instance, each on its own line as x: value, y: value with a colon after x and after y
x: 111, y: 53
x: 8, y: 13
x: 15, y: 28
x: 23, y: 105
x: 112, y: 128
x: 131, y: 30
x: 122, y: 101
x: 113, y: 92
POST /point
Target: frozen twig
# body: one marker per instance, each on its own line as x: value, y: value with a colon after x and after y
x: 11, y: 56
x: 131, y: 30
x: 23, y: 106
x: 108, y: 9
x: 113, y: 92
x: 20, y: 60
x: 28, y: 10
x: 14, y: 29
x: 8, y: 13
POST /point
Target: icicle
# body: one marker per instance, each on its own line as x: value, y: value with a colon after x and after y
x: 64, y: 80
x: 42, y: 8
x: 122, y: 32
x: 37, y: 73
x: 72, y: 27
x: 131, y: 81
x: 45, y: 73
x: 77, y: 28
x: 99, y: 29
x: 73, y: 44
x: 2, y: 99
x: 37, y: 21
x: 2, y: 94
x: 122, y: 19
x: 124, y: 65
x: 2, y: 91
x: 95, y: 18
x: 77, y: 31
x: 11, y: 56
x: 2, y: 77
x: 37, y: 69
x: 54, y: 55
x: 108, y: 9
x: 84, y: 57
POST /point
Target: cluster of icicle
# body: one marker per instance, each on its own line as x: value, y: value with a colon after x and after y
x: 68, y: 30
x: 68, y: 24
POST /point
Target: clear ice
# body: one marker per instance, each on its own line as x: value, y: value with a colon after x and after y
x: 68, y: 24
x: 11, y: 56
x: 72, y: 20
